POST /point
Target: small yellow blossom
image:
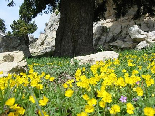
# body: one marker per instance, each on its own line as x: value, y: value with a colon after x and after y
x: 69, y: 93
x: 89, y: 109
x: 15, y: 107
x: 39, y: 86
x: 31, y: 71
x: 102, y: 104
x: 83, y: 69
x: 78, y: 74
x: 1, y: 72
x: 82, y: 114
x: 115, y: 109
x: 124, y: 70
x: 139, y: 91
x: 52, y: 78
x: 65, y: 85
x: 130, y: 108
x: 43, y: 101
x: 11, y: 114
x: 31, y: 98
x: 47, y: 76
x: 149, y: 82
x: 10, y: 102
x: 85, y: 97
x: 21, y: 110
x: 44, y: 113
x: 92, y: 102
x: 23, y: 96
x: 135, y: 72
x: 148, y: 111
x: 42, y: 74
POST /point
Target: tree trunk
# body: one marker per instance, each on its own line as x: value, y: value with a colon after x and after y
x: 75, y: 31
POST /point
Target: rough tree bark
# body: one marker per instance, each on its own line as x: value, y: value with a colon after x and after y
x: 75, y: 31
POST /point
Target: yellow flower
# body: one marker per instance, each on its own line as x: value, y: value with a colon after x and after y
x: 34, y: 83
x: 21, y: 110
x: 1, y: 72
x: 89, y: 109
x: 83, y: 69
x: 65, y: 85
x: 130, y: 108
x: 23, y: 96
x: 85, y: 97
x: 69, y: 93
x: 31, y: 71
x: 139, y: 91
x: 102, y: 104
x: 120, y: 82
x: 107, y: 97
x: 135, y: 72
x: 47, y: 76
x: 78, y: 74
x: 153, y: 69
x: 69, y: 82
x: 43, y: 101
x: 146, y: 77
x: 15, y: 107
x: 52, y: 78
x: 149, y: 82
x: 148, y: 111
x: 11, y: 114
x: 92, y: 102
x: 45, y: 114
x: 42, y: 74
x: 124, y: 70
x: 82, y: 114
x: 115, y: 109
x: 10, y: 102
x: 31, y: 99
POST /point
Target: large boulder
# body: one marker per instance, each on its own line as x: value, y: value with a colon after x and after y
x: 10, y: 44
x: 92, y: 58
x: 12, y: 62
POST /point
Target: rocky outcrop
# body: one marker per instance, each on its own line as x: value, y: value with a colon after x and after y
x: 12, y: 62
x: 46, y: 41
x: 143, y: 39
x: 114, y: 32
x: 92, y: 58
x: 10, y: 44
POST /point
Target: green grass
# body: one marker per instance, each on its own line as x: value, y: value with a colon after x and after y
x: 78, y: 80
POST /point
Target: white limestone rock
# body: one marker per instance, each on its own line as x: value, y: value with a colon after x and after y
x: 92, y: 58
x: 137, y: 34
x: 12, y: 62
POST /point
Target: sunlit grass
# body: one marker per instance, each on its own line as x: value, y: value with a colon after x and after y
x: 55, y: 87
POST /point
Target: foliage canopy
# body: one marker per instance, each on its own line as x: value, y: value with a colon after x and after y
x: 21, y: 28
x: 2, y: 25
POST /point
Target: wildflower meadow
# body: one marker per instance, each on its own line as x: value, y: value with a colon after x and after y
x: 55, y: 87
